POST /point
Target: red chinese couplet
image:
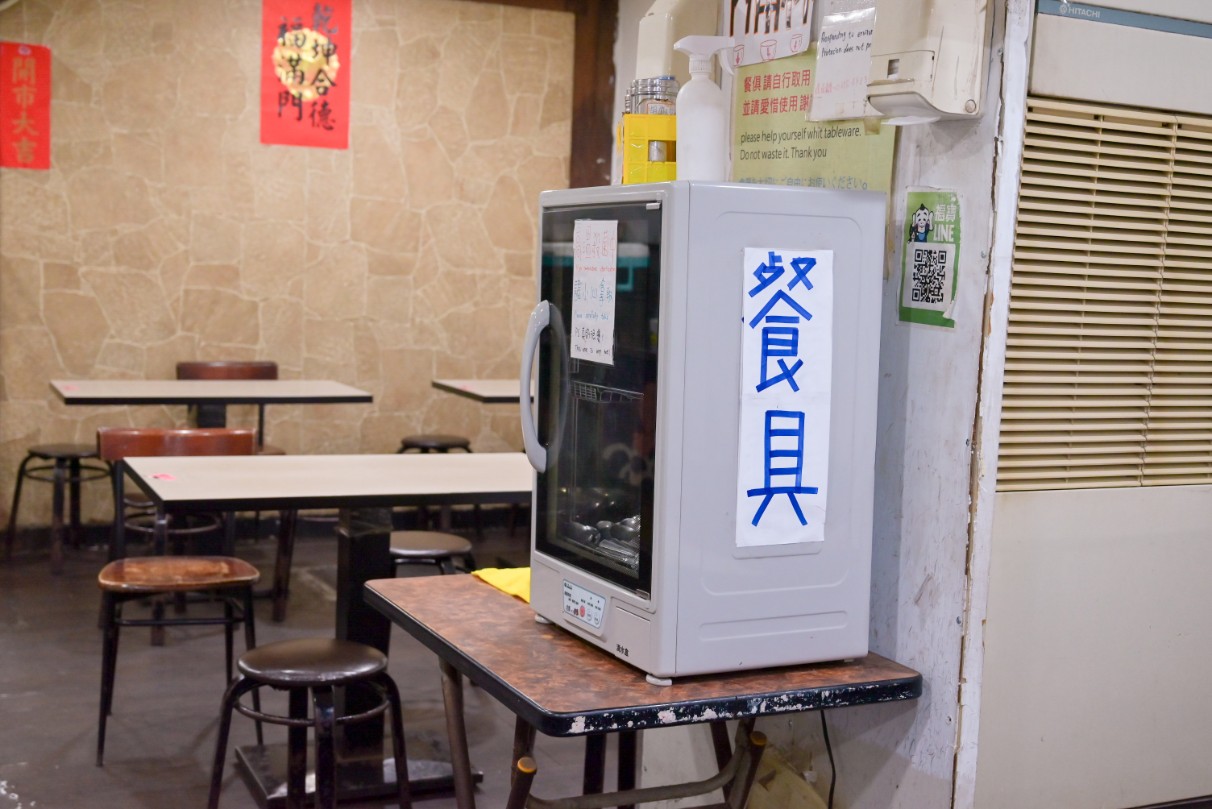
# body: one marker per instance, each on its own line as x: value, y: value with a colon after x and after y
x: 25, y: 97
x: 305, y: 61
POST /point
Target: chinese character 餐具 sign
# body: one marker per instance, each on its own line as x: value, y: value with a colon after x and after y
x: 932, y: 241
x: 786, y: 368
x: 25, y: 97
x: 595, y: 250
x: 305, y: 62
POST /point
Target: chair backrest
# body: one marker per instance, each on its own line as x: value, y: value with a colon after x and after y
x: 116, y: 443
x: 213, y: 414
x: 228, y: 369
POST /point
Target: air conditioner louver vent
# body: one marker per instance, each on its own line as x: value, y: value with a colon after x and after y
x: 1109, y: 351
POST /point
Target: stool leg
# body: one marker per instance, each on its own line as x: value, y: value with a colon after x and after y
x: 109, y: 658
x: 74, y: 504
x: 231, y: 695
x: 60, y: 489
x: 229, y: 633
x: 296, y: 752
x: 250, y: 642
x: 11, y: 533
x: 403, y: 787
x: 326, y: 758
x: 157, y: 630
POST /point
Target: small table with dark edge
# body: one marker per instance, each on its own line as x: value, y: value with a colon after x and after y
x: 488, y: 391
x: 559, y: 685
x: 364, y: 488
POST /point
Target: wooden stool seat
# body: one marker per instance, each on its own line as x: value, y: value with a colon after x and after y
x: 65, y: 466
x: 170, y: 574
x: 430, y: 547
x: 312, y: 666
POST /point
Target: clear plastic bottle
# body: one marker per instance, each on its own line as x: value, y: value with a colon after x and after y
x: 654, y: 96
x: 702, y: 109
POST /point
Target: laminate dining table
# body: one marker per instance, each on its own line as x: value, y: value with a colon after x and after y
x: 364, y: 488
x: 207, y: 391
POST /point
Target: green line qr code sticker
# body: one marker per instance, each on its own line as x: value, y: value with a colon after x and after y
x: 929, y: 276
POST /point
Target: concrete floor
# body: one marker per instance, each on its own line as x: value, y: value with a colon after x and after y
x: 161, y: 736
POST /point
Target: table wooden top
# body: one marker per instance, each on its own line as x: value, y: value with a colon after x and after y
x: 488, y: 391
x: 198, y: 391
x: 268, y: 482
x: 563, y: 686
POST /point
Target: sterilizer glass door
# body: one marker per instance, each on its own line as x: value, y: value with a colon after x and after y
x: 599, y: 418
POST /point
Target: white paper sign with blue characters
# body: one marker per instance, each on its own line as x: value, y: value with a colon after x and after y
x: 786, y: 368
x: 595, y: 251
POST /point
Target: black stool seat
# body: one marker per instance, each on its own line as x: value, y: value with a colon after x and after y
x: 65, y: 466
x: 430, y: 547
x: 312, y: 667
x: 308, y: 662
x: 435, y: 442
x: 54, y: 452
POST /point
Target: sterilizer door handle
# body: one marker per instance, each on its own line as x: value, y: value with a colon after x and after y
x: 540, y: 318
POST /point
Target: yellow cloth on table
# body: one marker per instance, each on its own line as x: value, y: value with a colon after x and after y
x: 512, y: 580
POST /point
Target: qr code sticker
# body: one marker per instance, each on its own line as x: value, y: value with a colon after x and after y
x: 929, y: 276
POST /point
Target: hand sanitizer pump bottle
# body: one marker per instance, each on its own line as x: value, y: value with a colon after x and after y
x: 702, y: 110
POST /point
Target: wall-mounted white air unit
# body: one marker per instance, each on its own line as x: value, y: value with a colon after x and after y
x: 929, y: 59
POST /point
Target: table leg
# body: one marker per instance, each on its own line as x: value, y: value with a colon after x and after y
x: 594, y: 777
x: 285, y: 554
x: 363, y: 553
x: 456, y: 730
x: 628, y: 750
x: 523, y: 740
x: 723, y: 747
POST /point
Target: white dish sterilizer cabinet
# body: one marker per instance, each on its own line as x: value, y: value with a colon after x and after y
x: 705, y: 359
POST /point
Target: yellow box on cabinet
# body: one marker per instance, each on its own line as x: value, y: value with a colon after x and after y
x: 641, y: 137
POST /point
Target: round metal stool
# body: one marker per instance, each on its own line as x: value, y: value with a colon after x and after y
x: 430, y: 548
x: 438, y: 442
x: 315, y: 665
x: 65, y: 466
x: 434, y: 442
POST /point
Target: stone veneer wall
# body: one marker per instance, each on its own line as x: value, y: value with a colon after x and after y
x: 165, y: 231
